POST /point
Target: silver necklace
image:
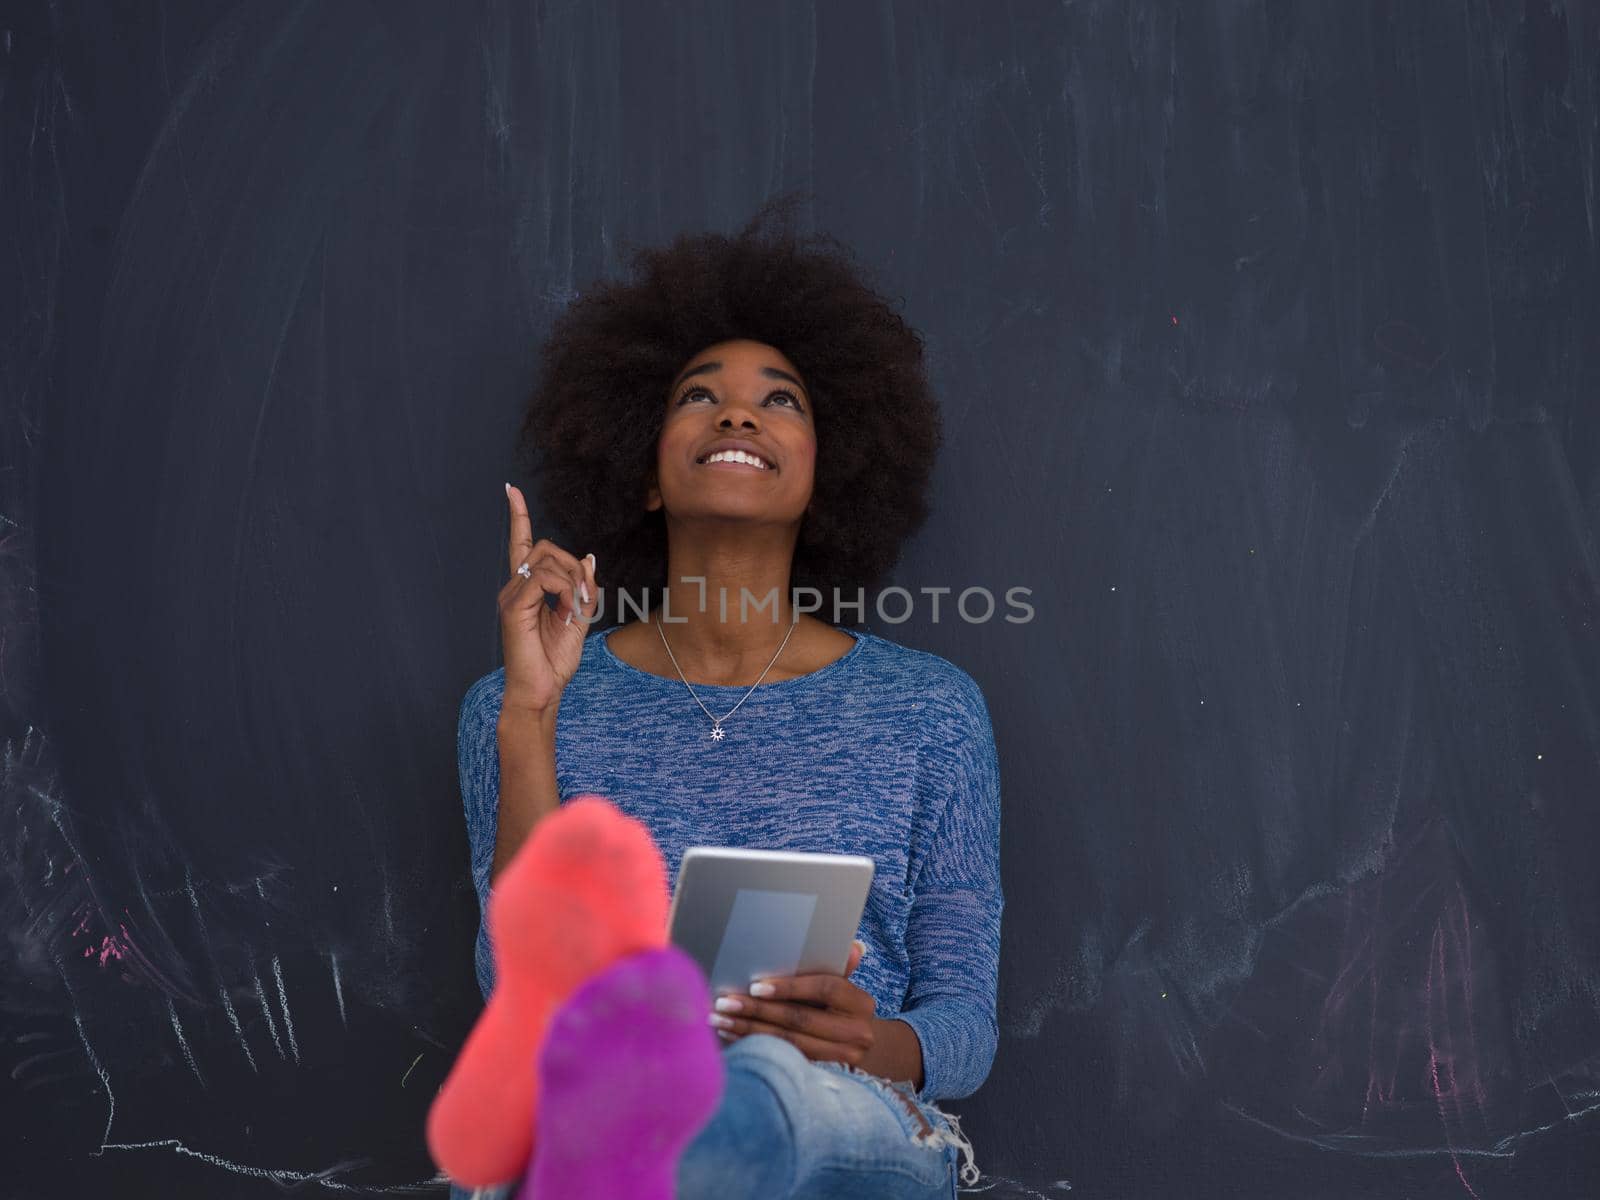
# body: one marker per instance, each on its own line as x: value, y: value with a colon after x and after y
x: 716, y: 722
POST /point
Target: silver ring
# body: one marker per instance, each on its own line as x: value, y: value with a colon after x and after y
x: 525, y: 571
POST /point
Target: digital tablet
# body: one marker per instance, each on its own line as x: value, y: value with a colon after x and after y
x: 748, y: 914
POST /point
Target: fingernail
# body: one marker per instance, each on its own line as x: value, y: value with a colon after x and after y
x: 568, y: 621
x: 583, y: 592
x: 863, y: 946
x: 593, y: 561
x: 508, y: 489
x: 762, y: 989
x: 730, y: 1003
x: 720, y: 1021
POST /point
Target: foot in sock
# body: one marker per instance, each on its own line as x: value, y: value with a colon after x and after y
x: 629, y: 1074
x: 587, y: 888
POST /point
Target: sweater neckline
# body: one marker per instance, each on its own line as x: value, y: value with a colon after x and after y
x: 726, y: 689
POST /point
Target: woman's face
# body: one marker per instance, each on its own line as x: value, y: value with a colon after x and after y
x: 736, y: 396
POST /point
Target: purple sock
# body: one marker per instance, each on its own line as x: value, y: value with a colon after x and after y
x: 630, y: 1072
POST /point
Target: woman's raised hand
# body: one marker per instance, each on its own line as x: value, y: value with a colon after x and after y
x: 542, y: 644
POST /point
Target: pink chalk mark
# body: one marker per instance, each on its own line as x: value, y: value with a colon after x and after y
x: 109, y: 949
x: 1467, y: 980
x: 110, y: 945
x: 1436, y: 962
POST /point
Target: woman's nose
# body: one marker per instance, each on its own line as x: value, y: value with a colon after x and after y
x: 737, y: 409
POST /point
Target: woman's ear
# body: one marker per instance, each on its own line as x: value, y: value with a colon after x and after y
x: 652, y: 494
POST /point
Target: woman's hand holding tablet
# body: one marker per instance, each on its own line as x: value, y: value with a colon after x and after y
x: 824, y: 1015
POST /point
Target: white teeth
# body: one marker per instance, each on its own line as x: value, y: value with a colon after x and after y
x: 738, y: 456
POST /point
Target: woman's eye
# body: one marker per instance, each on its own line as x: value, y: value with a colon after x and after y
x: 789, y: 396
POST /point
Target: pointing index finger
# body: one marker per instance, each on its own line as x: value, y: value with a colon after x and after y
x: 521, y: 529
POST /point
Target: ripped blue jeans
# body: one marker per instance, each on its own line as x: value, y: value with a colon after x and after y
x: 792, y: 1129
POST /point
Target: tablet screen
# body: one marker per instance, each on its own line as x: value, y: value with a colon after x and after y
x: 744, y: 914
x: 765, y: 935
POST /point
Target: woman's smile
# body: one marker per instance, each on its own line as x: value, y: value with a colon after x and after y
x: 737, y: 463
x: 735, y: 457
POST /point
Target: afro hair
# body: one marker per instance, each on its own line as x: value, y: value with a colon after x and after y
x: 588, y: 440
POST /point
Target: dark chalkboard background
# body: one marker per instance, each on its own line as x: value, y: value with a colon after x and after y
x: 1267, y: 334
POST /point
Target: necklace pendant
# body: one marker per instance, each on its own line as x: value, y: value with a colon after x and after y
x: 716, y: 732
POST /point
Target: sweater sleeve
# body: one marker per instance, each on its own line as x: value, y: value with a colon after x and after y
x: 478, y: 761
x: 953, y: 931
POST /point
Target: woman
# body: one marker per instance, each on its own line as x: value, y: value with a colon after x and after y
x: 742, y: 428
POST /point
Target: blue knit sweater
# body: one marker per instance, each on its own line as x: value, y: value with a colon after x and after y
x: 886, y: 751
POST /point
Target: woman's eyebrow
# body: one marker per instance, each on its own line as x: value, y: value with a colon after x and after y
x: 774, y: 373
x: 706, y: 368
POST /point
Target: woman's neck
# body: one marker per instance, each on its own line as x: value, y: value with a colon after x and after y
x: 727, y: 605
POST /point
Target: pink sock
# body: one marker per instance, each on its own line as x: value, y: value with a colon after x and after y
x: 587, y: 888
